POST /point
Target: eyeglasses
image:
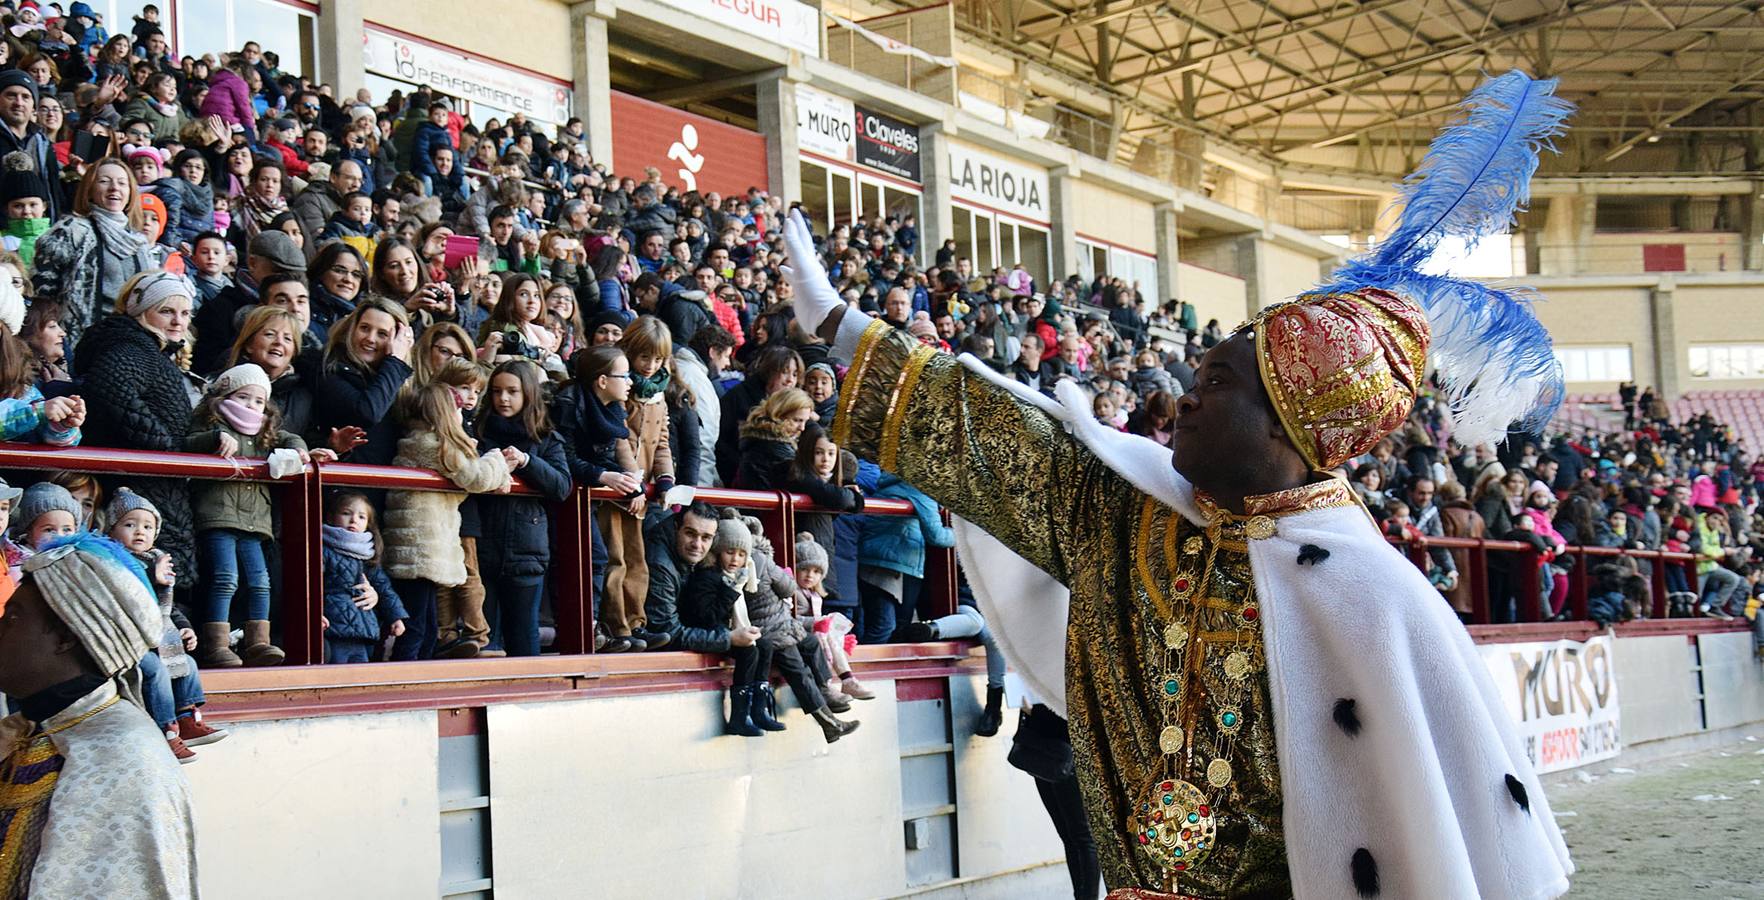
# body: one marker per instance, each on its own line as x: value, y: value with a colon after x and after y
x: 141, y: 133
x: 309, y: 106
x: 345, y: 272
x: 625, y: 375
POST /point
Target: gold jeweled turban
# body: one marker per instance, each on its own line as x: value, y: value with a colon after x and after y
x: 1342, y: 369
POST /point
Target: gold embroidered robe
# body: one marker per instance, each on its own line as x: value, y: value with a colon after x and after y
x: 1015, y: 473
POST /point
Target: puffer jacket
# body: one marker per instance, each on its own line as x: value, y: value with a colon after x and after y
x: 515, y: 537
x: 772, y: 606
x: 764, y: 461
x: 422, y: 527
x: 230, y: 98
x: 1145, y: 382
x: 898, y: 543
x: 197, y: 208
x: 135, y: 400
x: 238, y: 505
x: 349, y: 622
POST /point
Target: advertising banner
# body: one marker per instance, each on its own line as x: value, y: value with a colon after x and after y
x: 994, y: 181
x: 824, y: 123
x: 784, y: 22
x: 458, y: 75
x: 693, y: 152
x: 1563, y: 695
x: 887, y: 144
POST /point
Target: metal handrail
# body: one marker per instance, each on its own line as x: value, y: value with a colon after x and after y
x: 300, y: 498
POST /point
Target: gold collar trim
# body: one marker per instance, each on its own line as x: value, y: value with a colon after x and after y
x: 1260, y: 510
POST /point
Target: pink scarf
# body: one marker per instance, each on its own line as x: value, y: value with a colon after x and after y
x: 239, y: 417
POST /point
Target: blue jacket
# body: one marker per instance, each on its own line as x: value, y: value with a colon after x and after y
x: 348, y: 622
x: 428, y: 137
x: 898, y: 542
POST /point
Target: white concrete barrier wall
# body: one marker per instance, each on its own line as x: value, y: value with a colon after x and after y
x: 642, y: 796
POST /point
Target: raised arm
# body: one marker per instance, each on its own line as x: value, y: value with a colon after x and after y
x: 972, y: 446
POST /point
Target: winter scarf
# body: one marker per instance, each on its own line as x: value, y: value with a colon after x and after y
x: 501, y: 431
x: 239, y: 417
x: 606, y: 419
x: 123, y: 252
x: 645, y: 388
x: 26, y: 232
x: 260, y: 211
x: 353, y: 544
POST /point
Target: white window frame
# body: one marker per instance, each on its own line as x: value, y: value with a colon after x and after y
x: 1724, y: 362
x: 1008, y: 251
x: 1583, y: 364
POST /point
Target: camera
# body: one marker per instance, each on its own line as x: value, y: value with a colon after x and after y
x: 514, y: 343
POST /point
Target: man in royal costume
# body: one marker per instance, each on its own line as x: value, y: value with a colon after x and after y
x: 1266, y: 699
x: 92, y: 802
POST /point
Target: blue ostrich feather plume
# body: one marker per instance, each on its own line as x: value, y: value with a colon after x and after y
x: 1492, y: 356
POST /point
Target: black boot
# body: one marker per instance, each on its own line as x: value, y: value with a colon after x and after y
x: 765, y: 707
x: 740, y: 721
x: 832, y: 729
x: 993, y: 715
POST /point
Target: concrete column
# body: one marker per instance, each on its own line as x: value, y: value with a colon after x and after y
x: 1062, y: 255
x: 1164, y: 234
x: 777, y: 121
x: 591, y: 83
x: 339, y: 48
x: 1586, y: 213
x: 936, y: 221
x: 1752, y: 228
x: 1669, y: 372
x: 1249, y: 268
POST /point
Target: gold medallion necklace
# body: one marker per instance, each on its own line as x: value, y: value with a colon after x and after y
x: 1177, y: 817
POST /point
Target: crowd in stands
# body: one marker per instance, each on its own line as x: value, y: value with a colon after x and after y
x: 209, y: 254
x: 1649, y: 484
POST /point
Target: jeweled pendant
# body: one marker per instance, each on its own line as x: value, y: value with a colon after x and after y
x: 1186, y: 836
x: 1237, y: 665
x: 1230, y: 720
x: 1170, y: 740
x: 1176, y: 636
x: 1218, y: 773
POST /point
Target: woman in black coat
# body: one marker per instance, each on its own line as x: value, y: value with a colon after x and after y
x: 136, y: 398
x: 768, y: 440
x: 774, y: 369
x: 366, y: 361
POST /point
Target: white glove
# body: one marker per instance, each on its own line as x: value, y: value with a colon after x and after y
x: 814, y: 296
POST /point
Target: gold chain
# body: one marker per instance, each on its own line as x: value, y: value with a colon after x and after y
x: 1176, y: 821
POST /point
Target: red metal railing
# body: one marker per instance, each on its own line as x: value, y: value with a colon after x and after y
x: 1527, y: 574
x: 300, y: 499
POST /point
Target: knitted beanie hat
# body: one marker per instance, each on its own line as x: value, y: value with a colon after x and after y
x: 43, y: 497
x: 241, y: 376
x: 809, y: 553
x: 731, y: 532
x: 126, y: 501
